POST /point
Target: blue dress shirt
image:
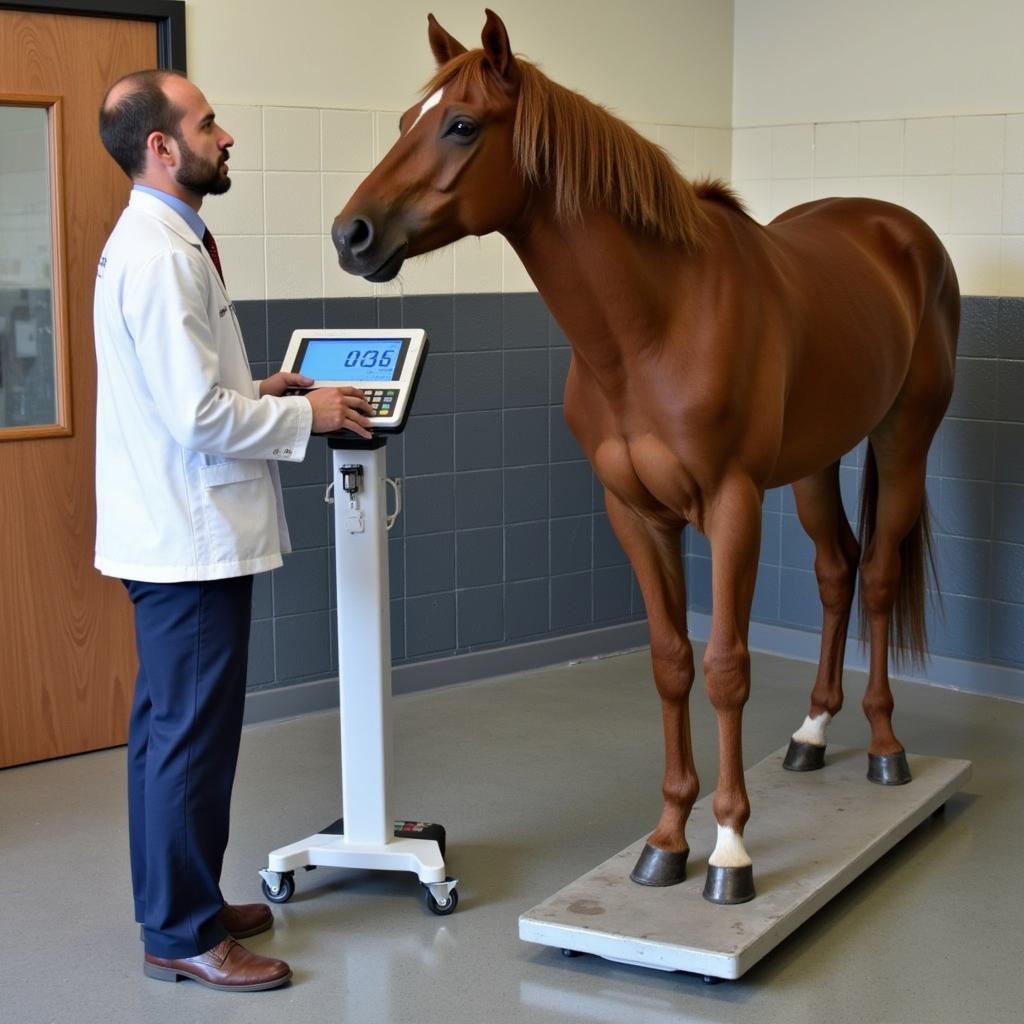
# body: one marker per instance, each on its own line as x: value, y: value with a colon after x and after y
x: 191, y: 218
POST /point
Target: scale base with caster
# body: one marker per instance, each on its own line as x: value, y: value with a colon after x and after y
x: 416, y: 846
x: 386, y: 365
x: 811, y: 835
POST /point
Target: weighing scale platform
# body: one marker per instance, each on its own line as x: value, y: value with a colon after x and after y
x: 811, y: 834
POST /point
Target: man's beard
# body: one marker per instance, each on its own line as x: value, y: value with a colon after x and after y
x: 201, y: 176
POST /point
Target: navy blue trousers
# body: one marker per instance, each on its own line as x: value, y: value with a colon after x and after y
x: 183, y: 739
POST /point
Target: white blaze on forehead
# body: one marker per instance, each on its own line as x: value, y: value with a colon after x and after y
x: 813, y: 730
x: 428, y: 104
x: 729, y: 850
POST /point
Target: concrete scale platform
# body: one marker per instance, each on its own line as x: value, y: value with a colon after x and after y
x: 810, y: 835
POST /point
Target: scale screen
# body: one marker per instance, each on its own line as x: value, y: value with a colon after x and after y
x: 352, y: 359
x: 385, y: 364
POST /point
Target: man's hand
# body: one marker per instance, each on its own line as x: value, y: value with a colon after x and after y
x: 333, y: 408
x: 279, y: 383
x: 337, y: 409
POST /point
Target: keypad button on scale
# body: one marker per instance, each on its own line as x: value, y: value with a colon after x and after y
x: 381, y: 400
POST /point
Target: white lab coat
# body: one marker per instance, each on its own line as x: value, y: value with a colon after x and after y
x: 186, y: 483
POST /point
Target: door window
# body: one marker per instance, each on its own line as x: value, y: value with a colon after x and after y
x: 33, y: 385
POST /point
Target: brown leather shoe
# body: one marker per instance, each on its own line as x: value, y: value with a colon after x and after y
x: 245, y: 919
x: 228, y: 966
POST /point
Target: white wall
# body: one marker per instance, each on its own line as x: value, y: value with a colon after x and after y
x: 665, y: 61
x: 836, y: 60
x: 919, y: 102
x: 312, y: 91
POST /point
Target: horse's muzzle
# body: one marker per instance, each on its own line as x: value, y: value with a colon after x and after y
x: 360, y: 249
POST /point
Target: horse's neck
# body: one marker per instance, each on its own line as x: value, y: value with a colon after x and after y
x: 607, y: 286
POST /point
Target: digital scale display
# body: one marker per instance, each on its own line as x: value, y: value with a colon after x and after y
x: 361, y: 359
x: 385, y: 363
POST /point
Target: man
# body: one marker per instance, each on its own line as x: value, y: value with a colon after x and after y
x: 188, y: 508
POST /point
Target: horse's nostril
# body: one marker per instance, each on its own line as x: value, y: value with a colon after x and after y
x: 360, y: 233
x: 354, y: 237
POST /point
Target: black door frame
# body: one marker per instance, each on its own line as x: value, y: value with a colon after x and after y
x: 168, y: 15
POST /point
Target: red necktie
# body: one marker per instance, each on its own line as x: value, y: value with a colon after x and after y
x: 211, y: 247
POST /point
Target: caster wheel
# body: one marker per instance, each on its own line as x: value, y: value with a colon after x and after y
x: 284, y: 893
x: 570, y: 952
x: 445, y: 907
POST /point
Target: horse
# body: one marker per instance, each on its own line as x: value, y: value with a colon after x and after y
x: 713, y: 358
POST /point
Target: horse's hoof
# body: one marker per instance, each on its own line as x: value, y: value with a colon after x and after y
x: 804, y: 757
x: 889, y: 769
x: 660, y: 867
x: 729, y: 885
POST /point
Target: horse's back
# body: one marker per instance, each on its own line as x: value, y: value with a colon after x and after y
x: 899, y: 243
x: 867, y: 283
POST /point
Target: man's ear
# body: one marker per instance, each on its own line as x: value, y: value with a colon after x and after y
x: 162, y: 147
x: 445, y: 46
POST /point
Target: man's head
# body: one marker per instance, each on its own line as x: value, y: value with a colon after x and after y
x: 161, y: 131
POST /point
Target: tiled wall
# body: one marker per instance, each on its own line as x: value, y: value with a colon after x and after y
x: 293, y: 169
x: 963, y: 175
x: 503, y: 536
x: 976, y: 493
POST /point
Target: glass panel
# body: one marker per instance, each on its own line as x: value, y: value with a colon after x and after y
x: 27, y: 366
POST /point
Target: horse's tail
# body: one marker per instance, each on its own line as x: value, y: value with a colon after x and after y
x: 908, y: 635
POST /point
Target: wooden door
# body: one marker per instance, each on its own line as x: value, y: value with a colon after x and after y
x: 67, y: 659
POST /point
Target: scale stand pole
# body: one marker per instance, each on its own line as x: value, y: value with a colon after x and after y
x: 364, y: 642
x: 368, y: 835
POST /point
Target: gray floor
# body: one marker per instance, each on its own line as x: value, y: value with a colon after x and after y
x: 538, y: 778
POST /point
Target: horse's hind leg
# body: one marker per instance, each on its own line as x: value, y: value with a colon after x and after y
x: 656, y: 556
x: 896, y: 538
x: 901, y: 479
x: 819, y: 504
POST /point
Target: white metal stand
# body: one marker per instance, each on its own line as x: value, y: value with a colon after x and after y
x: 367, y: 836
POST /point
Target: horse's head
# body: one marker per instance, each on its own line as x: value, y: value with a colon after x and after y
x: 451, y: 173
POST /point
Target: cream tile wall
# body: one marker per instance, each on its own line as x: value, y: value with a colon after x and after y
x: 964, y: 175
x: 294, y: 168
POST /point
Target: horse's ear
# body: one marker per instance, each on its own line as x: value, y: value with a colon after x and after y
x: 497, y: 49
x: 445, y: 46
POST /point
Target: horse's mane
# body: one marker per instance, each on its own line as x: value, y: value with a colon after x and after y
x: 591, y: 159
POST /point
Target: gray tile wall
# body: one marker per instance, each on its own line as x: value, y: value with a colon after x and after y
x: 503, y: 537
x: 976, y: 494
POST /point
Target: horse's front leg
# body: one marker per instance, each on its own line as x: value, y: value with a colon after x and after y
x: 734, y: 530
x: 656, y: 556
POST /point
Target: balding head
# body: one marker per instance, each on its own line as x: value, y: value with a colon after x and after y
x: 136, y: 106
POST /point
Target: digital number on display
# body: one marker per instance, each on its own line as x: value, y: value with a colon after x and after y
x: 336, y: 359
x: 369, y: 358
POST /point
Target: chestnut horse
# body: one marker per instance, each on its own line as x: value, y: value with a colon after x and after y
x: 712, y: 358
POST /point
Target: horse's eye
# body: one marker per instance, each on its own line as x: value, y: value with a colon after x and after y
x: 461, y: 128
